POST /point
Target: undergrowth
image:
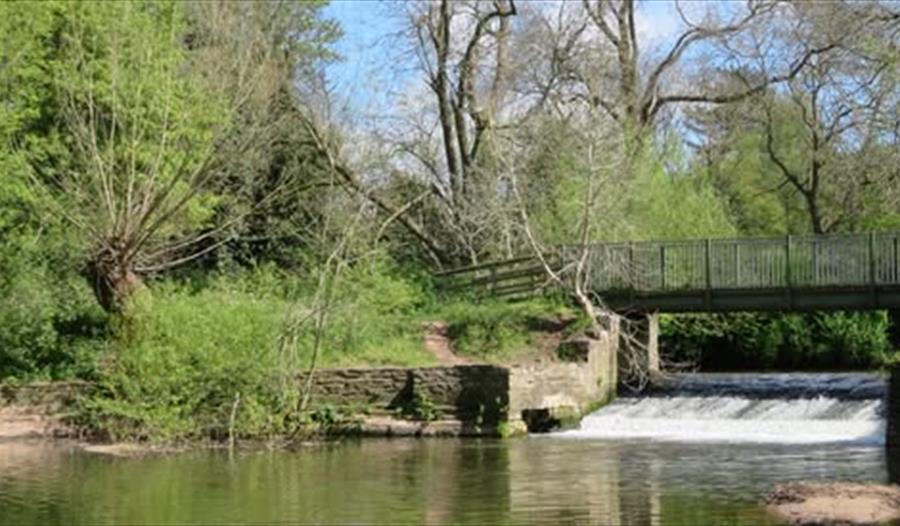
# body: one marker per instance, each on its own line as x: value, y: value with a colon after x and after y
x: 778, y: 341
x: 496, y: 330
x: 187, y: 358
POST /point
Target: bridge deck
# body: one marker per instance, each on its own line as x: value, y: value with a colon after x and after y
x: 856, y: 271
x: 860, y: 271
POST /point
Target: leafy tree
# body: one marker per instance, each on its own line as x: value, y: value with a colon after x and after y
x: 156, y: 126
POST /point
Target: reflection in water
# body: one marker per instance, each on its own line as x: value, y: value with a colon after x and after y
x: 531, y: 481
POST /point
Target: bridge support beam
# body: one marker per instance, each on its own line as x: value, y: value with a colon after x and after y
x: 639, y: 347
x: 893, y: 426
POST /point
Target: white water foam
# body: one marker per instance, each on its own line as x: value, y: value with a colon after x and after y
x: 736, y: 418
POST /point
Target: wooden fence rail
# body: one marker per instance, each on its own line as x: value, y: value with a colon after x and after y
x: 514, y: 277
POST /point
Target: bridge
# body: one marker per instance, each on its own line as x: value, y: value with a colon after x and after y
x: 790, y: 273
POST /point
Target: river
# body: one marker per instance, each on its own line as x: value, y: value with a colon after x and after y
x: 612, y: 470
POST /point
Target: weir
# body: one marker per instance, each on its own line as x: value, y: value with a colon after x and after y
x: 761, y: 408
x: 789, y: 274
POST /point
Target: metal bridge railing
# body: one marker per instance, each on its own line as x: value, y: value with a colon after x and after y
x: 791, y: 262
x: 825, y: 261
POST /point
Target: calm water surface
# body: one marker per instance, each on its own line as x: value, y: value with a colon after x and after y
x: 547, y: 480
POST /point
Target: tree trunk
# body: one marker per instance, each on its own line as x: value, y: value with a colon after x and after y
x: 112, y: 280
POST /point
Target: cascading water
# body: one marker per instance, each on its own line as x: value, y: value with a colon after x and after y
x: 777, y: 408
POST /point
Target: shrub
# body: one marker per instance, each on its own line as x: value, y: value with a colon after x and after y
x: 419, y: 407
x: 185, y: 352
x: 50, y: 326
x: 181, y: 359
x: 761, y: 341
x: 373, y: 320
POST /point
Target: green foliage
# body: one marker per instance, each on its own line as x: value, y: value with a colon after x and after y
x: 326, y: 415
x: 371, y: 320
x: 50, y: 326
x: 187, y: 350
x: 419, y: 407
x: 182, y: 358
x: 555, y: 182
x: 674, y: 203
x: 661, y: 197
x: 773, y: 341
x: 495, y: 330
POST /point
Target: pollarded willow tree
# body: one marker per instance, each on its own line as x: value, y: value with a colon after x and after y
x: 155, y: 130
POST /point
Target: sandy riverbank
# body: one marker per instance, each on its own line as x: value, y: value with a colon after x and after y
x: 835, y: 503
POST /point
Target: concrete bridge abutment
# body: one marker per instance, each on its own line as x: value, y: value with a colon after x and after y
x: 639, y: 348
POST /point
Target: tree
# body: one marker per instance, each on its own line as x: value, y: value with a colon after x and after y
x: 155, y: 134
x: 463, y: 52
x: 813, y: 153
x: 233, y: 45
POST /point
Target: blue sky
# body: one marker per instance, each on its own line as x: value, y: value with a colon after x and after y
x: 370, y: 49
x: 366, y: 47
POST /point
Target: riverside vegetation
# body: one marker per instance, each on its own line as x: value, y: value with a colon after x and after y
x: 186, y: 223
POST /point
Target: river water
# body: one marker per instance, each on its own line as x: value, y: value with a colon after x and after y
x: 701, y: 467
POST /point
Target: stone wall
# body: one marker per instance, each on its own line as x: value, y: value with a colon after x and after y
x: 547, y: 395
x: 484, y: 398
x: 473, y: 399
x: 469, y: 393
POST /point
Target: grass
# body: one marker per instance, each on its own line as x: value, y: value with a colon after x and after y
x: 187, y: 354
x: 497, y: 331
x: 200, y: 359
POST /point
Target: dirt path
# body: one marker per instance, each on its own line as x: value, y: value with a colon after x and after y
x: 437, y: 342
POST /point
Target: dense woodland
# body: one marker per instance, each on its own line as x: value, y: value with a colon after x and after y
x: 187, y: 210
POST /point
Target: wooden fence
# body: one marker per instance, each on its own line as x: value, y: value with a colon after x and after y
x: 513, y: 277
